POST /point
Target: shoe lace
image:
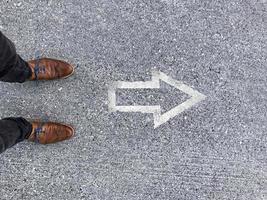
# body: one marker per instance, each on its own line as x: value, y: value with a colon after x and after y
x: 37, y: 68
x: 37, y: 132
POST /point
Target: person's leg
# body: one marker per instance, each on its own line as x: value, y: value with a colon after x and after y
x: 12, y: 131
x: 12, y: 67
x: 15, y: 130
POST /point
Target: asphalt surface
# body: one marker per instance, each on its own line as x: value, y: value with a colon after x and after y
x: 214, y: 150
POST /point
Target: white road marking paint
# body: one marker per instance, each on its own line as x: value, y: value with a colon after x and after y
x: 159, y: 118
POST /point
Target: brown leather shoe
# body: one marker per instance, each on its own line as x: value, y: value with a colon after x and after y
x: 50, y: 132
x: 49, y: 69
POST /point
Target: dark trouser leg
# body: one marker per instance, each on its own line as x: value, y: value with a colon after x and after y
x: 12, y: 67
x: 12, y: 131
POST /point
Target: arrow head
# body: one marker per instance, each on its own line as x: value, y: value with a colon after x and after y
x: 195, y: 98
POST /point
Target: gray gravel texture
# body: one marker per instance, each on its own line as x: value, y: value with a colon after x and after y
x: 216, y: 150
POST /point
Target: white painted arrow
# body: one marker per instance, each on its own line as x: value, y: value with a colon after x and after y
x: 159, y: 118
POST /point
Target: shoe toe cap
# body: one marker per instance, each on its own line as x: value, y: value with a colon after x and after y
x: 65, y: 69
x: 69, y: 70
x: 69, y: 130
